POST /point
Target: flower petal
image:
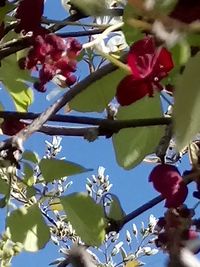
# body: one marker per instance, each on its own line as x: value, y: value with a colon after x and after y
x: 168, y: 181
x: 164, y: 61
x: 140, y: 57
x: 130, y: 90
x: 177, y: 199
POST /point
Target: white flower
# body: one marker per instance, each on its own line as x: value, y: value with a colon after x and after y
x: 101, y: 171
x: 135, y: 231
x: 170, y: 38
x: 114, y: 41
x: 66, y: 4
x: 152, y: 221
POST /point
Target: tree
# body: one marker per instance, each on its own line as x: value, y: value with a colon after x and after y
x: 143, y: 64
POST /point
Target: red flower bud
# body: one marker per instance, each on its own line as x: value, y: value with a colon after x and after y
x: 167, y: 180
x: 12, y: 126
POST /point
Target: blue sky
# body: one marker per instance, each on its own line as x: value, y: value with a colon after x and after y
x: 132, y: 187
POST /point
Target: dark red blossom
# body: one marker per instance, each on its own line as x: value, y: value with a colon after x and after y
x: 149, y: 65
x: 12, y: 126
x: 29, y: 13
x: 167, y: 180
x: 186, y: 11
x: 50, y: 55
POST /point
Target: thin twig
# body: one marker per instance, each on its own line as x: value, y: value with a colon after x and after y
x: 80, y: 33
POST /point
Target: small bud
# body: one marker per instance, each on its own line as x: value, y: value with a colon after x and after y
x: 134, y: 229
x: 128, y: 236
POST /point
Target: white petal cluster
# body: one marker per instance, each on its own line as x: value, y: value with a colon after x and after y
x: 115, y: 41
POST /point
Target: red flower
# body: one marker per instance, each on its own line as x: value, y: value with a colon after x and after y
x: 167, y: 180
x: 12, y: 126
x: 29, y: 12
x: 149, y: 64
x: 186, y: 11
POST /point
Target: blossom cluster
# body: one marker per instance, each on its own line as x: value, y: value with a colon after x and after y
x: 52, y: 55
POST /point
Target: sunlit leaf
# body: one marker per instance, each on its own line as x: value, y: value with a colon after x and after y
x: 133, y: 144
x: 14, y: 80
x: 181, y: 52
x: 28, y: 227
x: 187, y: 103
x: 98, y: 95
x: 52, y: 169
x: 86, y: 217
x: 30, y: 156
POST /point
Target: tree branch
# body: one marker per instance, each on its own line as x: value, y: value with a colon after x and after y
x: 103, y: 123
x: 79, y: 15
x: 23, y: 135
x: 118, y: 225
x: 64, y: 131
x: 81, y: 33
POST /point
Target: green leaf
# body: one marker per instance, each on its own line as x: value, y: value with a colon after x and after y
x: 29, y: 178
x: 115, y: 212
x: 131, y: 34
x: 86, y: 217
x: 99, y: 94
x: 133, y: 144
x: 3, y: 202
x: 52, y: 169
x: 4, y: 187
x: 28, y: 227
x: 4, y: 10
x: 181, y: 52
x: 14, y: 79
x: 187, y: 103
x: 30, y: 191
x: 165, y: 7
x: 90, y: 7
x: 30, y: 156
x: 193, y: 39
